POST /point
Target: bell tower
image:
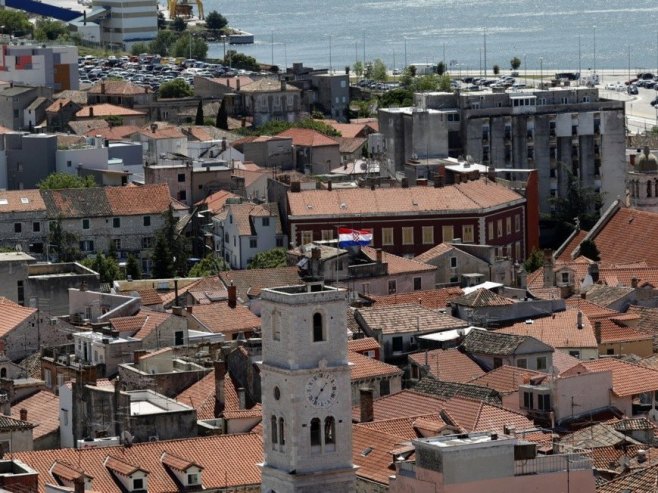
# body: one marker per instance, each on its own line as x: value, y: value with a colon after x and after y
x: 306, y: 393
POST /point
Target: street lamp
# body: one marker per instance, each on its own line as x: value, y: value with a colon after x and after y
x: 594, y: 49
x: 541, y: 72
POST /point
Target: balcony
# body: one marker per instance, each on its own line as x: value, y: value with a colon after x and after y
x: 552, y: 463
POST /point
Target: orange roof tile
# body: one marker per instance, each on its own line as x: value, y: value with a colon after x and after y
x: 65, y: 471
x: 105, y: 109
x: 228, y: 461
x: 592, y: 310
x: 216, y: 201
x: 162, y: 132
x: 431, y: 298
x: 614, y: 332
x: 404, y: 403
x: 305, y: 137
x: 268, y: 84
x: 42, y: 411
x: 233, y: 82
x: 566, y: 250
x: 145, y: 199
x: 363, y: 367
x: 249, y: 282
x: 363, y: 344
x: 506, y: 379
x: 13, y: 315
x: 372, y: 453
x: 560, y: 330
x: 392, y: 319
x: 201, y: 396
x: 221, y: 318
x: 628, y: 379
x: 434, y: 252
x: 407, y: 426
x: 118, y: 88
x: 472, y: 415
x: 178, y: 463
x: 120, y: 132
x: 121, y: 466
x: 149, y: 296
x: 467, y: 197
x: 397, y: 264
x: 349, y: 130
x: 21, y: 201
x: 448, y: 365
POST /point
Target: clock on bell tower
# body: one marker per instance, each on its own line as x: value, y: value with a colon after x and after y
x: 305, y: 388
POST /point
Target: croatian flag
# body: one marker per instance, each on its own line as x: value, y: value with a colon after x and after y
x: 353, y: 237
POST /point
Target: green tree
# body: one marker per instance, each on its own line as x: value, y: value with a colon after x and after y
x: 181, y: 47
x: 364, y: 108
x: 277, y: 257
x: 579, y: 207
x: 534, y: 261
x: 176, y: 88
x: 379, y: 72
x: 589, y: 249
x: 198, y: 119
x: 114, y: 120
x: 425, y: 83
x: 170, y: 251
x: 49, y: 30
x: 161, y: 20
x: 107, y: 267
x: 397, y: 98
x: 240, y: 60
x: 222, y: 116
x: 15, y: 22
x: 441, y: 68
x: 496, y: 69
x: 59, y: 180
x: 163, y: 263
x: 358, y: 68
x: 208, y: 266
x: 444, y: 83
x: 63, y: 244
x: 162, y: 44
x: 132, y: 268
x: 139, y: 48
x: 515, y: 63
x: 216, y: 21
x: 274, y: 127
x: 179, y: 24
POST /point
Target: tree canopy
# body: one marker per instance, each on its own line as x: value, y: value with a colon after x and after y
x: 14, y: 22
x: 107, y: 267
x: 376, y: 70
x: 50, y: 30
x: 515, y: 63
x: 59, y: 180
x: 240, y: 60
x: 179, y: 24
x: 216, y: 21
x: 176, y: 88
x: 208, y: 266
x: 277, y: 257
x: 63, y: 244
x: 589, y: 249
x: 181, y: 47
x: 274, y: 127
x: 170, y: 251
x: 534, y: 261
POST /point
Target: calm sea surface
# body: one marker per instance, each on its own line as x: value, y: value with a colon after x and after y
x: 304, y: 30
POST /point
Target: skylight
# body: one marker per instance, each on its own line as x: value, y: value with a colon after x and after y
x: 4, y: 202
x: 25, y: 200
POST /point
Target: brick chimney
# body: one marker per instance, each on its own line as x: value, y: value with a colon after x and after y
x: 237, y: 83
x: 91, y: 112
x: 329, y: 186
x: 634, y: 282
x: 283, y: 85
x: 102, y: 87
x: 220, y: 375
x: 579, y: 320
x: 597, y: 331
x: 137, y: 355
x: 232, y: 295
x: 79, y: 484
x: 405, y: 183
x: 189, y: 309
x: 23, y: 414
x: 379, y: 255
x: 242, y: 396
x: 366, y: 399
x: 295, y: 187
x: 438, y: 181
x: 549, y: 277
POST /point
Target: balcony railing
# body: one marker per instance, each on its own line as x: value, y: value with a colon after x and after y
x: 552, y: 463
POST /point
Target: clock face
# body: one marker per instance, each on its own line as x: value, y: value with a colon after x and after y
x: 321, y: 389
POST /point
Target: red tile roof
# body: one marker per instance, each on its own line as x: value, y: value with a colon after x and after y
x: 305, y: 137
x: 394, y: 319
x: 628, y: 379
x: 431, y: 298
x: 362, y: 367
x: 616, y: 332
x: 592, y: 310
x: 372, y: 453
x: 249, y: 282
x: 13, y: 315
x: 146, y: 199
x: 120, y: 132
x: 42, y: 411
x: 178, y: 463
x: 216, y: 201
x: 363, y: 344
x: 21, y: 201
x: 105, y: 109
x: 221, y: 318
x: 201, y: 396
x: 162, y: 132
x: 122, y: 467
x: 401, y: 404
x: 506, y: 379
x: 567, y: 249
x: 408, y: 426
x: 228, y: 461
x: 467, y: 197
x: 448, y: 365
x: 472, y: 415
x: 397, y: 264
x: 118, y: 88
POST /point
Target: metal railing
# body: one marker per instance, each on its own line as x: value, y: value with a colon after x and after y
x: 552, y: 463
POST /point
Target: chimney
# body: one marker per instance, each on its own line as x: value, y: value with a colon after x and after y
x: 83, y: 286
x: 329, y: 186
x: 137, y: 355
x: 91, y: 112
x: 634, y: 282
x: 458, y: 178
x: 232, y: 295
x: 154, y: 127
x: 379, y: 255
x: 237, y: 83
x: 242, y: 395
x: 102, y: 87
x: 188, y: 308
x: 176, y: 292
x: 79, y: 484
x: 632, y: 160
x: 5, y: 403
x: 579, y: 319
x: 405, y: 183
x: 597, y: 331
x: 224, y: 145
x: 549, y: 278
x: 23, y: 414
x: 316, y: 253
x: 583, y: 295
x: 593, y: 271
x: 421, y: 182
x: 220, y: 374
x: 491, y: 172
x: 283, y: 85
x: 372, y: 186
x: 367, y: 411
x: 438, y: 181
x: 295, y: 187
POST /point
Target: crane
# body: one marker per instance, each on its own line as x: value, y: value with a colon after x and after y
x: 184, y: 8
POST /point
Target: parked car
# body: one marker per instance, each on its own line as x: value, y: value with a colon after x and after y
x: 632, y: 89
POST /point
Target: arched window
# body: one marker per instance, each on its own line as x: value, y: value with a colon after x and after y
x: 274, y: 433
x: 316, y: 432
x: 329, y: 431
x: 648, y: 189
x: 282, y: 432
x: 318, y: 329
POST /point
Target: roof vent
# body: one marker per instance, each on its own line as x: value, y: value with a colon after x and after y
x: 529, y: 322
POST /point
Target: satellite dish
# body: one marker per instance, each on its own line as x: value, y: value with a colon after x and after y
x: 127, y: 438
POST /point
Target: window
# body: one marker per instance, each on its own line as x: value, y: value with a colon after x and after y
x: 327, y: 234
x: 85, y: 224
x: 497, y: 362
x: 282, y: 431
x: 517, y: 250
x: 544, y: 402
x: 384, y: 386
x: 522, y: 363
x: 181, y: 177
x: 407, y: 235
x: 392, y: 286
x: 179, y: 338
x: 253, y: 242
x: 275, y: 427
x: 65, y: 417
x: 36, y: 227
x: 147, y: 242
x: 318, y: 328
x: 418, y: 283
x: 307, y: 237
x: 490, y: 230
x: 116, y: 222
x: 192, y: 479
x: 117, y: 244
x: 387, y: 236
x: 279, y: 242
x: 329, y: 431
x: 87, y: 246
x: 147, y: 220
x: 508, y: 225
x: 565, y: 277
x: 182, y: 195
x: 18, y: 227
x: 266, y: 221
x: 575, y: 354
x: 453, y: 262
x: 610, y: 351
x: 396, y: 344
x: 447, y: 233
x: 315, y: 433
x: 528, y: 400
x: 428, y: 235
x: 468, y: 233
x: 517, y: 223
x: 68, y: 164
x: 138, y: 484
x: 541, y: 363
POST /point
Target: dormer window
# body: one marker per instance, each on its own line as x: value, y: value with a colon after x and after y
x: 187, y: 473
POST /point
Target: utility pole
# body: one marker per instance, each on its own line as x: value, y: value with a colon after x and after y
x: 485, y: 52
